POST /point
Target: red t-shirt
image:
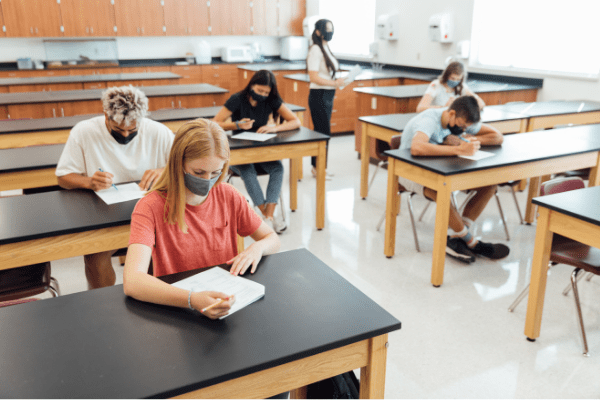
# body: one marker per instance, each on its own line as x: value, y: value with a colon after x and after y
x: 212, y: 227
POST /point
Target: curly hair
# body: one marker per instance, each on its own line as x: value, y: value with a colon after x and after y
x: 125, y: 104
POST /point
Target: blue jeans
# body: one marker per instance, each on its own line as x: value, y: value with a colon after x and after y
x: 249, y: 175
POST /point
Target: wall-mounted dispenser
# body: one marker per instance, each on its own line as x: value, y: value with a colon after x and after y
x: 441, y: 28
x: 388, y: 27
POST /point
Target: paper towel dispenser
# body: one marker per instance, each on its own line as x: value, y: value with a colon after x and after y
x: 441, y: 28
x: 387, y: 27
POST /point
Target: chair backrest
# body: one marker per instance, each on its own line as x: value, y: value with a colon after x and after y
x: 395, y: 142
x: 560, y: 185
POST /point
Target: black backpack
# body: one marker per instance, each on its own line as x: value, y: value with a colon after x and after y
x: 344, y: 386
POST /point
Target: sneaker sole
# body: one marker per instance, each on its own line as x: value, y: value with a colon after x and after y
x: 460, y: 257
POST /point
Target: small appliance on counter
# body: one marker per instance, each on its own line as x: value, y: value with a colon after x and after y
x: 24, y: 63
x: 294, y: 48
x: 236, y: 54
x: 202, y: 52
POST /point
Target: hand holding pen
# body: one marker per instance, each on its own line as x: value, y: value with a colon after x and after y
x: 102, y: 180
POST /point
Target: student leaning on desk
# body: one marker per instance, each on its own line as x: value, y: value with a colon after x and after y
x: 439, y: 132
x: 121, y: 146
x: 190, y: 220
x: 447, y: 87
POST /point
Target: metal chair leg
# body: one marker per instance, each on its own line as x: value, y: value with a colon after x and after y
x: 423, y: 212
x: 379, y: 165
x: 282, y: 210
x: 412, y: 220
x: 501, y: 214
x: 470, y: 195
x: 514, y: 195
x: 382, y: 219
x: 54, y: 288
x: 569, y: 286
x: 578, y: 306
x: 524, y: 293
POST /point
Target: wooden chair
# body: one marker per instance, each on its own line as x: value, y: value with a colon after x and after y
x: 568, y: 251
x: 17, y: 284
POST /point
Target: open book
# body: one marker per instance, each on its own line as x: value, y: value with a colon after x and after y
x: 217, y: 279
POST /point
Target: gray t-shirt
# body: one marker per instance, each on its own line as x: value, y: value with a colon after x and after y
x: 430, y: 123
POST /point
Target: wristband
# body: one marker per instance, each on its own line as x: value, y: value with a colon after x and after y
x: 237, y: 125
x: 190, y: 300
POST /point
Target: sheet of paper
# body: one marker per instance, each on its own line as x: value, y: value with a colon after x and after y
x: 354, y: 72
x: 217, y: 279
x: 259, y: 137
x: 480, y: 155
x: 126, y: 192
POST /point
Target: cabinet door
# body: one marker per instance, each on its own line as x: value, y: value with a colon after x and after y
x: 197, y: 18
x: 241, y: 17
x: 189, y: 74
x: 153, y: 18
x: 127, y: 17
x: 265, y: 17
x: 26, y: 18
x: 34, y: 110
x: 291, y: 15
x: 176, y: 20
x: 74, y: 16
x: 2, y: 26
x: 220, y: 17
x: 102, y: 18
x: 48, y: 18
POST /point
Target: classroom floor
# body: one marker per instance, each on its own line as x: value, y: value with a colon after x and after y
x: 457, y: 341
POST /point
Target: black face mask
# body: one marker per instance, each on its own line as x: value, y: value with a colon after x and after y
x: 122, y: 139
x: 328, y: 36
x: 455, y: 130
x: 257, y: 97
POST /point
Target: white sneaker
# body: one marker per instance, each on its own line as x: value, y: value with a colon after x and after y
x: 269, y: 223
x: 279, y: 223
x: 328, y: 174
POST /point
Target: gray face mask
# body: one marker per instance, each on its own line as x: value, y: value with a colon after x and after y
x: 199, y: 186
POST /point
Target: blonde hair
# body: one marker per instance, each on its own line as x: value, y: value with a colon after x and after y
x: 125, y: 104
x: 195, y: 139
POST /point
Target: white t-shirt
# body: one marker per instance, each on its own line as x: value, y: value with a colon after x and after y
x: 441, y: 95
x: 90, y: 147
x: 316, y: 62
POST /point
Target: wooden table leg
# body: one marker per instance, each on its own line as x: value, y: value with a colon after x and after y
x: 594, y: 178
x: 240, y: 243
x: 539, y: 273
x: 299, y: 393
x: 534, y: 191
x: 300, y: 171
x: 294, y: 182
x: 364, y: 161
x: 372, y: 376
x: 390, y: 208
x: 321, y: 185
x: 442, y: 216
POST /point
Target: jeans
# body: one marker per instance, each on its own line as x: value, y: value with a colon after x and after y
x: 320, y: 102
x: 249, y: 175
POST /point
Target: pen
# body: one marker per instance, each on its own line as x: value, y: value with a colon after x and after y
x: 113, y: 185
x: 213, y: 305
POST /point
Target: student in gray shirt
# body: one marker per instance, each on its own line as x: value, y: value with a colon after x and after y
x: 452, y: 131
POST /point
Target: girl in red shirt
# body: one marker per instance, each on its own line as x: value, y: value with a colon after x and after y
x: 191, y: 220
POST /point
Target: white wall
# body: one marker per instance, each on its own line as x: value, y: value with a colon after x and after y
x: 134, y: 48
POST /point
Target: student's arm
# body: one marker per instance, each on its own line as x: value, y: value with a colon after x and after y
x: 266, y: 242
x: 315, y: 78
x: 141, y: 286
x: 224, y: 114
x: 98, y: 181
x: 420, y: 146
x: 425, y: 103
x: 489, y: 136
x: 149, y: 177
x: 291, y: 122
x: 480, y: 102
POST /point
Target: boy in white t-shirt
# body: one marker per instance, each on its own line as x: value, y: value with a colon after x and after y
x: 121, y: 146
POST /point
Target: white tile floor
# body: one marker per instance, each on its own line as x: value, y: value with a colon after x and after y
x: 457, y: 341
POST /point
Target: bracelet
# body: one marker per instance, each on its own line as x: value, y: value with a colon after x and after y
x: 237, y: 125
x: 190, y: 300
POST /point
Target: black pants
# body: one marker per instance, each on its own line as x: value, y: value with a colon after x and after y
x: 320, y: 102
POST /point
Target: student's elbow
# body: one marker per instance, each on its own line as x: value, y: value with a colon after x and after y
x: 64, y: 182
x: 416, y: 149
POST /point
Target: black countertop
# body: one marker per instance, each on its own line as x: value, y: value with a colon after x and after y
x: 88, y: 78
x: 48, y: 124
x: 397, y: 122
x: 30, y: 158
x: 516, y: 149
x: 96, y: 94
x: 547, y: 108
x: 581, y: 203
x: 103, y: 344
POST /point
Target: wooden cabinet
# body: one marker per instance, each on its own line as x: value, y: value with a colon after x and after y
x: 36, y: 110
x: 265, y: 17
x: 189, y: 73
x: 186, y: 17
x: 87, y: 18
x: 291, y: 15
x: 139, y: 18
x: 222, y: 75
x: 31, y: 18
x: 495, y: 98
x: 230, y: 17
x: 2, y: 33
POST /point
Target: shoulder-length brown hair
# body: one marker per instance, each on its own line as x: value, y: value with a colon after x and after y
x: 194, y: 140
x: 455, y: 67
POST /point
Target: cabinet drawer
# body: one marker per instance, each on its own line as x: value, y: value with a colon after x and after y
x: 387, y: 82
x: 342, y: 125
x: 95, y: 85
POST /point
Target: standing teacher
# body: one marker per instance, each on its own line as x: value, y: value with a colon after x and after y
x: 322, y: 67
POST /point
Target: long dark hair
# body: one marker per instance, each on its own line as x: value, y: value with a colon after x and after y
x: 321, y: 26
x: 265, y: 78
x: 455, y: 67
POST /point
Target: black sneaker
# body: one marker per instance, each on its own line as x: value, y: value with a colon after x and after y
x: 494, y: 251
x: 458, y: 249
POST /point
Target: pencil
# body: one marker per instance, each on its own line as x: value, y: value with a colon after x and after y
x: 213, y: 305
x: 113, y: 185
